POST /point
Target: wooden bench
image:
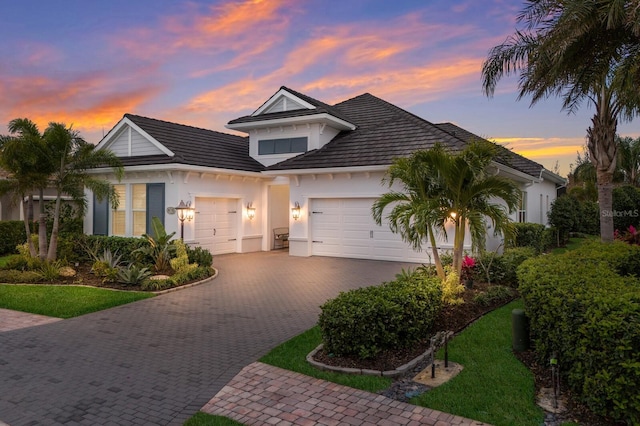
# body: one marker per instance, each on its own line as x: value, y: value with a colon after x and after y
x: 280, y: 238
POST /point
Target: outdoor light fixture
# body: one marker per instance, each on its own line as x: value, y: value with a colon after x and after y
x: 295, y: 211
x: 453, y: 215
x: 251, y: 211
x: 185, y: 212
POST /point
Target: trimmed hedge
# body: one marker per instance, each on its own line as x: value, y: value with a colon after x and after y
x: 531, y: 235
x: 366, y: 321
x: 124, y: 246
x: 13, y: 234
x: 580, y: 308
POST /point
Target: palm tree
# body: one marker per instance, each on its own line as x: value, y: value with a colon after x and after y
x: 579, y: 50
x: 629, y: 159
x: 72, y: 158
x: 439, y: 186
x: 23, y: 155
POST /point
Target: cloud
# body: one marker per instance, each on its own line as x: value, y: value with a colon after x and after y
x: 547, y: 151
x: 89, y: 102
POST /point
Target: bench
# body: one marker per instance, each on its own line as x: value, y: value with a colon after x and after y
x: 280, y: 238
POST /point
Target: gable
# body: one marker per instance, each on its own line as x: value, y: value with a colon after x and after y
x: 127, y: 139
x: 130, y: 143
x: 284, y: 103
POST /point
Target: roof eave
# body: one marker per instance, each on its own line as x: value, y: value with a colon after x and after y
x: 171, y: 167
x: 323, y: 118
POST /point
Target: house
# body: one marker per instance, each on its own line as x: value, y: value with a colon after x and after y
x: 304, y: 165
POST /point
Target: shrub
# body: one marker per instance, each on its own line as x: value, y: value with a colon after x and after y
x: 626, y: 207
x: 368, y: 320
x: 580, y: 308
x: 50, y: 271
x: 509, y: 262
x: 452, y: 289
x: 158, y: 247
x: 94, y: 245
x: 21, y: 277
x: 13, y: 234
x: 181, y: 261
x: 565, y: 216
x: 530, y: 235
x: 200, y: 255
x: 493, y: 294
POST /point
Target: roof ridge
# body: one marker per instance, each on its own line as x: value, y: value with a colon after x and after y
x: 129, y: 115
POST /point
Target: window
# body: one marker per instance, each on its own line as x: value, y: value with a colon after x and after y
x: 522, y: 212
x: 138, y: 203
x: 282, y: 146
x: 118, y: 215
x: 139, y: 209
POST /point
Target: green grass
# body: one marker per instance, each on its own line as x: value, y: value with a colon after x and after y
x: 204, y: 419
x: 573, y: 244
x: 291, y: 355
x: 494, y: 387
x: 63, y: 301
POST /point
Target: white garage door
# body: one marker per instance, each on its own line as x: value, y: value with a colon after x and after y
x: 216, y: 224
x: 345, y: 228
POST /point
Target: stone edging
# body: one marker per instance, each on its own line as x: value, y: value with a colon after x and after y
x: 172, y: 289
x: 400, y: 371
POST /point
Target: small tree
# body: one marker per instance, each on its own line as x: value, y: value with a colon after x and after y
x: 440, y: 186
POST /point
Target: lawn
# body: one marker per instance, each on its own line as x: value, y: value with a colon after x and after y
x: 63, y: 301
x: 494, y: 387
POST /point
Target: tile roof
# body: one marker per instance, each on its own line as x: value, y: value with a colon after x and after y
x: 505, y: 156
x: 320, y: 108
x: 384, y: 132
x: 194, y: 146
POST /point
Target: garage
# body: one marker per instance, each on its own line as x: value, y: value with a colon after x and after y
x: 344, y: 227
x: 216, y: 224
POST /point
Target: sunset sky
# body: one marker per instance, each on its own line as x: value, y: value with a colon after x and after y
x: 203, y: 63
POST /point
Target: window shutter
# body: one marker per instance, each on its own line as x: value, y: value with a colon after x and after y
x: 100, y: 216
x: 155, y: 204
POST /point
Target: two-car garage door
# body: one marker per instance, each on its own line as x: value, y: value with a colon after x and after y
x: 345, y: 228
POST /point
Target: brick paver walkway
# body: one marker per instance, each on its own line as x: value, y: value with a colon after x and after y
x: 265, y: 395
x: 158, y: 361
x: 14, y: 320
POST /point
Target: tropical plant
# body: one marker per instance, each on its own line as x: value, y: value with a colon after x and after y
x: 158, y: 247
x: 23, y: 155
x: 440, y: 187
x: 133, y: 275
x: 629, y: 159
x: 579, y: 50
x: 72, y: 158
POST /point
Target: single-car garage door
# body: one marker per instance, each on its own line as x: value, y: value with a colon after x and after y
x: 345, y: 228
x: 216, y: 224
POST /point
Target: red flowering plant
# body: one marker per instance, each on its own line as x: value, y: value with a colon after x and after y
x: 631, y: 236
x: 468, y: 263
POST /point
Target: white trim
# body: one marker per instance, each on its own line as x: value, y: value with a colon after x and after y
x: 166, y: 168
x: 276, y: 97
x: 324, y: 117
x: 108, y: 139
x: 328, y: 170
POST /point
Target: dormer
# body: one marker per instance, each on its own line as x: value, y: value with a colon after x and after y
x: 289, y: 124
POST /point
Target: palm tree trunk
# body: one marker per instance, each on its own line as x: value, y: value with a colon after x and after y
x: 27, y: 227
x: 436, y: 255
x: 603, y: 150
x: 53, y: 244
x: 42, y: 228
x: 458, y: 245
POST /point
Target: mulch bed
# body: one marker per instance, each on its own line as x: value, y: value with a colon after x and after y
x: 85, y: 277
x: 456, y: 319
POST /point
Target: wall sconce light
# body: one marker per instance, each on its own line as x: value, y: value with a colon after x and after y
x: 453, y: 215
x: 185, y: 212
x: 251, y: 211
x: 295, y: 211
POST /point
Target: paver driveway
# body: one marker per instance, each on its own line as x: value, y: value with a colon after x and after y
x: 159, y: 360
